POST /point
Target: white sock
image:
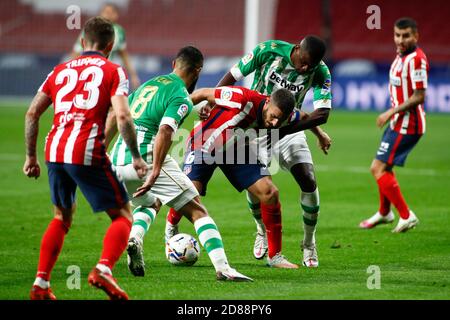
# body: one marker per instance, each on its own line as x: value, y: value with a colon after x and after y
x: 210, y: 239
x: 103, y: 268
x: 44, y: 284
x: 143, y: 217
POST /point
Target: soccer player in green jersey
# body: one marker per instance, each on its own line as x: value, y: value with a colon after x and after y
x: 111, y: 12
x: 158, y: 108
x: 298, y: 68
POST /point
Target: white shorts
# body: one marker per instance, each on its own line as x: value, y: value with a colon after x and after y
x: 289, y: 151
x: 173, y: 188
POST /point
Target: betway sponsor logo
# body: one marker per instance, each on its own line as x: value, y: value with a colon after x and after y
x: 278, y: 80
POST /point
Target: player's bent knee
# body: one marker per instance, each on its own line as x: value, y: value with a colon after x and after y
x: 193, y: 210
x: 157, y: 205
x: 308, y: 184
x: 271, y: 196
x: 377, y: 169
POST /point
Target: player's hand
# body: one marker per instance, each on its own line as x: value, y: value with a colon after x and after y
x: 140, y: 166
x: 204, y: 111
x: 324, y: 142
x: 383, y: 118
x: 148, y: 184
x: 31, y: 168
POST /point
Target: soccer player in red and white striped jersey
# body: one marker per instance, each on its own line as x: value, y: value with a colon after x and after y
x: 209, y: 142
x: 408, y: 79
x: 82, y: 91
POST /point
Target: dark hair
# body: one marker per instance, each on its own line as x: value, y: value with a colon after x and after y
x: 284, y: 100
x: 100, y: 31
x: 315, y: 47
x: 190, y: 57
x: 406, y: 22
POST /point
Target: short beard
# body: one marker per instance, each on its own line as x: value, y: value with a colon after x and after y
x: 192, y: 86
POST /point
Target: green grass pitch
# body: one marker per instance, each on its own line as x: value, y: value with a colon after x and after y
x: 413, y: 265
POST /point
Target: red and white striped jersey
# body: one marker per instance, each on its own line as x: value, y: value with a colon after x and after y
x: 81, y: 91
x: 236, y: 107
x: 408, y: 73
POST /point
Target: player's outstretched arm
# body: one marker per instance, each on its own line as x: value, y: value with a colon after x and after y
x: 227, y: 80
x: 163, y: 141
x: 205, y: 110
x: 323, y: 139
x: 127, y: 131
x: 203, y: 94
x: 314, y: 119
x: 37, y: 107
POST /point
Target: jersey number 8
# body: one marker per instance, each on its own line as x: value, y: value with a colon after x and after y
x: 139, y: 105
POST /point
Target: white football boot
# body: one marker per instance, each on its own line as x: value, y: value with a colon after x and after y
x: 260, y: 247
x: 231, y: 274
x: 377, y: 219
x: 310, y: 258
x: 404, y: 225
x: 135, y: 257
x: 280, y: 261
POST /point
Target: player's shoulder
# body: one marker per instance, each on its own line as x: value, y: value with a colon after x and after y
x: 242, y: 93
x: 227, y: 90
x: 252, y: 93
x: 420, y: 54
x: 172, y: 87
x: 111, y: 65
x: 170, y: 80
x: 174, y: 83
x: 323, y: 68
x: 275, y: 46
x: 231, y: 96
x: 59, y: 67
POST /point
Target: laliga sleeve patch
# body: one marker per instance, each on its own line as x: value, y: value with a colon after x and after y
x: 183, y: 110
x: 326, y: 87
x: 419, y: 75
x: 226, y: 94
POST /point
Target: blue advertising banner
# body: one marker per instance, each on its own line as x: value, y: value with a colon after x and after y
x: 22, y: 74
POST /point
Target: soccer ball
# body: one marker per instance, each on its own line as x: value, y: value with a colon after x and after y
x: 182, y: 249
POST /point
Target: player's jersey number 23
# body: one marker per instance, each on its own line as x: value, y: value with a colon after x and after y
x: 71, y: 77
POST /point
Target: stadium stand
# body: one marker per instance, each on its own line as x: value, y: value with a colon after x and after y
x: 34, y: 36
x: 157, y: 27
x: 295, y: 19
x: 350, y: 36
x: 349, y: 42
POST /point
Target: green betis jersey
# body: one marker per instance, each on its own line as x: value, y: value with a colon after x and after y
x: 271, y: 62
x: 161, y: 100
x: 119, y: 42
